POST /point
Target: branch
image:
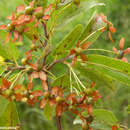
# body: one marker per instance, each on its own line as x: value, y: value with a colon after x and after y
x: 45, y: 33
x: 16, y: 68
x: 45, y: 42
x: 60, y: 61
x: 58, y: 122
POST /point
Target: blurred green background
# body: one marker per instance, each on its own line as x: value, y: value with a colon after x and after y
x: 118, y: 11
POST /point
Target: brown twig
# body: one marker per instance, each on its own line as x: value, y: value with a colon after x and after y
x: 45, y: 33
x: 16, y: 68
x: 45, y: 42
x: 59, y: 61
x: 58, y: 120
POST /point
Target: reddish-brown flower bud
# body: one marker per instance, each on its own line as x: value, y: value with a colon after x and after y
x: 127, y: 51
x: 110, y: 36
x: 115, y: 50
x: 112, y: 29
x: 121, y: 44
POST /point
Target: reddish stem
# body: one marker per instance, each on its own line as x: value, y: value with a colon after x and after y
x: 58, y: 120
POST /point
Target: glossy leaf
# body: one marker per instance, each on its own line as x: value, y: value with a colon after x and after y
x: 4, y: 53
x: 10, y: 116
x: 68, y: 42
x: 101, y: 126
x: 13, y: 51
x: 3, y: 104
x: 93, y: 29
x: 115, y: 75
x: 111, y: 63
x: 95, y: 75
x: 70, y: 10
x: 94, y: 23
x: 63, y: 81
x: 105, y: 115
x: 48, y: 111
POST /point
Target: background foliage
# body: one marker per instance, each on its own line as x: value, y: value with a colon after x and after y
x: 117, y: 101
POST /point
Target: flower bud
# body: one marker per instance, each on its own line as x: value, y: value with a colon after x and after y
x: 29, y: 10
x: 31, y: 97
x: 10, y: 27
x: 59, y: 99
x: 24, y: 61
x: 24, y: 100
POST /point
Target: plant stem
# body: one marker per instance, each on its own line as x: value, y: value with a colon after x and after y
x: 19, y: 74
x: 45, y: 33
x: 17, y: 68
x: 59, y: 61
x: 45, y: 42
x: 76, y: 77
x: 58, y: 120
x: 100, y: 50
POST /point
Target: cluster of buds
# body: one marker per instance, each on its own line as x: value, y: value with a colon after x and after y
x: 110, y: 28
x: 55, y: 96
x: 121, y: 53
x: 78, y: 51
x: 24, y: 16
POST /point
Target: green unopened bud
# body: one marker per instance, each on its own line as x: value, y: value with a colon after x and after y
x: 59, y: 99
x: 31, y: 97
x: 29, y: 10
x: 11, y: 27
x: 24, y: 100
x: 24, y: 61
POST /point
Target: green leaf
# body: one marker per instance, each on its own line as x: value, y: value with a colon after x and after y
x: 105, y: 116
x: 111, y: 63
x: 3, y: 104
x: 70, y: 10
x: 10, y: 116
x: 48, y: 111
x: 13, y: 51
x: 63, y: 81
x: 94, y: 24
x: 68, y: 42
x: 115, y: 75
x: 100, y: 126
x: 95, y: 75
x: 4, y: 53
x: 93, y: 29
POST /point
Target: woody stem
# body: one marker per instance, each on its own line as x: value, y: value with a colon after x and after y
x: 46, y: 39
x: 59, y: 61
x: 58, y: 120
x: 45, y: 33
